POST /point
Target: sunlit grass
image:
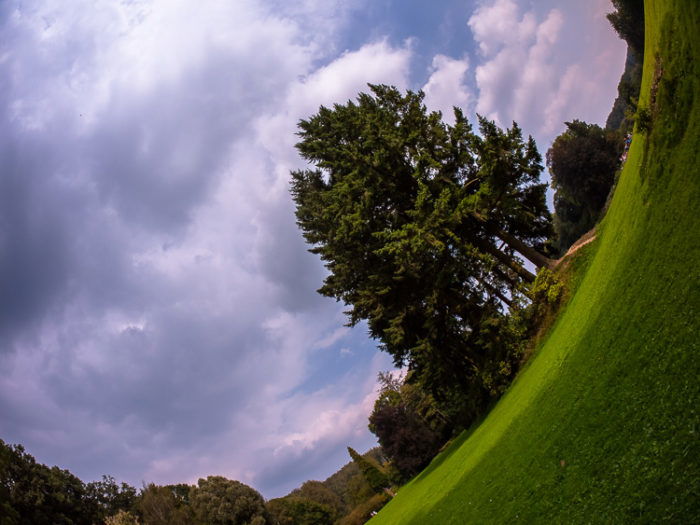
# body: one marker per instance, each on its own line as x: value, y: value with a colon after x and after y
x: 602, y: 426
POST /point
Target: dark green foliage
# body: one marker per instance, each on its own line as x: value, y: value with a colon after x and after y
x: 34, y: 494
x: 643, y: 119
x: 365, y: 510
x: 318, y: 492
x: 349, y: 484
x: 376, y: 479
x: 163, y: 506
x: 346, y: 493
x: 293, y: 510
x: 628, y: 21
x: 418, y: 223
x: 220, y: 501
x: 122, y: 518
x: 408, y: 442
x: 582, y: 162
x: 405, y: 435
x: 181, y: 491
x: 109, y: 497
x: 625, y: 104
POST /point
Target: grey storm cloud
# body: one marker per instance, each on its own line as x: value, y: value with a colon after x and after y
x: 155, y: 289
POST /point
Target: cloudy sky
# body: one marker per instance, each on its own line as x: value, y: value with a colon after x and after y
x: 158, y: 314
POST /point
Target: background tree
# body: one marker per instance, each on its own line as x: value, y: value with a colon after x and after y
x: 349, y: 484
x: 372, y: 473
x: 407, y: 438
x: 122, y: 518
x: 318, y: 491
x: 628, y: 22
x: 582, y: 161
x: 363, y: 512
x: 38, y: 495
x: 421, y: 225
x: 161, y: 506
x: 108, y: 497
x: 409, y: 443
x: 293, y: 510
x: 220, y: 501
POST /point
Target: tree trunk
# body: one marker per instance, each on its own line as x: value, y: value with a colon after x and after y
x: 510, y: 279
x: 495, y: 291
x: 528, y: 252
x: 516, y: 244
x: 507, y: 261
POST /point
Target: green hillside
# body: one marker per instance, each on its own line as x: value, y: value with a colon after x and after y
x: 602, y: 426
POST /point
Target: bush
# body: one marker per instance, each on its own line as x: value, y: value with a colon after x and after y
x: 643, y: 119
x: 364, y: 511
x: 122, y: 518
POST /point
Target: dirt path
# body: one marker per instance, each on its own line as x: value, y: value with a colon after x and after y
x: 587, y: 237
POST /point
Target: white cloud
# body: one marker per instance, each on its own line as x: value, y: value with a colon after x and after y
x: 499, y: 25
x: 541, y: 69
x: 337, y: 82
x: 446, y: 87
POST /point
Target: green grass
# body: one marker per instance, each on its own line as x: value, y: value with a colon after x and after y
x: 602, y: 426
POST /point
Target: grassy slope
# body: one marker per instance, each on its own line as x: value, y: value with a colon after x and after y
x: 603, y: 425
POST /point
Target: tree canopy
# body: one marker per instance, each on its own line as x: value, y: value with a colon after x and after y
x: 402, y: 426
x: 421, y: 224
x: 628, y: 21
x: 582, y: 162
x: 220, y: 501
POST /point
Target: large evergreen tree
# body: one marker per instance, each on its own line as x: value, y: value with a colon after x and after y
x: 420, y: 223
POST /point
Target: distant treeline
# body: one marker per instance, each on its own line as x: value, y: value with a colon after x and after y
x: 33, y: 494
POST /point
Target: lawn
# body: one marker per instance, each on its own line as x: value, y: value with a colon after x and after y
x: 602, y: 426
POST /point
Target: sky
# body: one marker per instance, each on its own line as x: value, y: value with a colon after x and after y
x: 158, y: 314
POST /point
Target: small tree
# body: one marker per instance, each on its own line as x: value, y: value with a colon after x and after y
x: 109, y: 497
x: 122, y: 518
x: 376, y: 479
x: 220, y: 501
x: 294, y: 510
x: 407, y: 438
x: 161, y: 506
x: 317, y: 491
